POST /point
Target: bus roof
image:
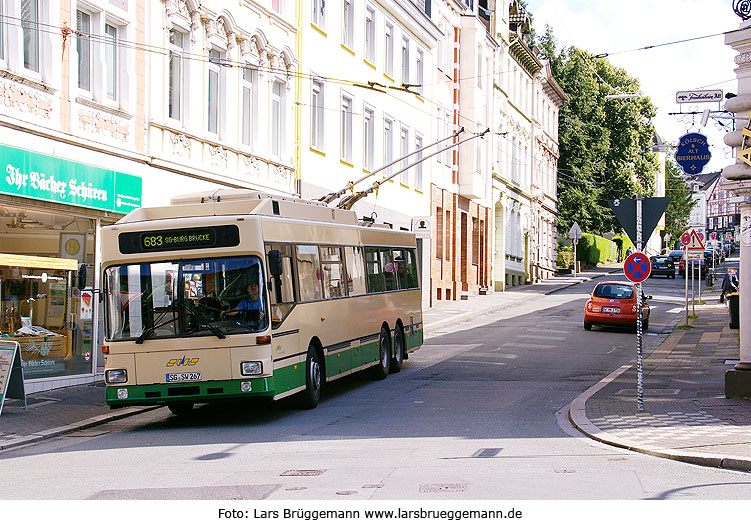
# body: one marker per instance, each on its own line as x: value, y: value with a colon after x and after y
x: 227, y: 202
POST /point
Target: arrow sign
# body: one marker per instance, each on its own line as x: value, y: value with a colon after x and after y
x: 652, y: 210
x: 637, y: 267
x: 575, y: 232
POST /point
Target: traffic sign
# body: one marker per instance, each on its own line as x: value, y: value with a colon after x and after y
x: 713, y: 235
x: 637, y: 267
x: 685, y: 238
x: 575, y: 232
x: 652, y: 211
x: 696, y: 240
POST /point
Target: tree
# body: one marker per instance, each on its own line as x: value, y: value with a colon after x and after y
x: 681, y: 201
x: 603, y: 143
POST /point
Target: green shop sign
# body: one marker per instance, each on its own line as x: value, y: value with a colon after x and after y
x: 32, y: 175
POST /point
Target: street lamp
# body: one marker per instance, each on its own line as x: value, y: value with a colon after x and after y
x: 622, y: 96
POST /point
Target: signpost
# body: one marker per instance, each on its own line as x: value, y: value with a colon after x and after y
x: 575, y: 233
x: 11, y: 373
x: 698, y: 96
x: 693, y: 247
x: 639, y: 217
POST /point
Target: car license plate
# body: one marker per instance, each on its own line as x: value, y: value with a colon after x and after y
x: 610, y: 309
x: 183, y: 376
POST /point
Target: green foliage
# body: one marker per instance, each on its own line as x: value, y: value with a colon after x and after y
x: 681, y: 201
x: 593, y: 249
x: 602, y: 142
x: 622, y: 243
x: 565, y: 258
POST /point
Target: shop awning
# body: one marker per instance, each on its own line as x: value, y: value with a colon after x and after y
x: 28, y: 261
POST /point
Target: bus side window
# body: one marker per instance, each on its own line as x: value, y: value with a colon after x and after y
x: 309, y: 273
x: 375, y: 273
x: 282, y: 288
x: 389, y: 270
x: 355, y: 262
x: 333, y: 285
x: 410, y: 273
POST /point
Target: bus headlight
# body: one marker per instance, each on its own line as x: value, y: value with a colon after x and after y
x: 251, y: 368
x: 116, y: 376
x: 122, y: 394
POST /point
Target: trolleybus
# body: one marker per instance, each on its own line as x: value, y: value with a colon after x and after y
x: 240, y: 294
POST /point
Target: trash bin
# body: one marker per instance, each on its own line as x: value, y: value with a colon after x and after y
x: 734, y: 309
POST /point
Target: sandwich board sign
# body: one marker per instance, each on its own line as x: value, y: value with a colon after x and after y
x: 11, y: 373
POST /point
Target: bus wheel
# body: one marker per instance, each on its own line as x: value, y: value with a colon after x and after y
x: 313, y: 379
x: 381, y: 370
x: 398, y: 359
x: 181, y: 408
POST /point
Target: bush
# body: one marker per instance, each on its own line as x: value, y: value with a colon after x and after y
x: 594, y: 249
x: 565, y: 258
x: 623, y: 243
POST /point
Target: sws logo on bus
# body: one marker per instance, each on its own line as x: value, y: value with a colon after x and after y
x: 182, y: 362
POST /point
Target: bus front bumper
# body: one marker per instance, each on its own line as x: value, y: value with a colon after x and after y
x: 205, y: 391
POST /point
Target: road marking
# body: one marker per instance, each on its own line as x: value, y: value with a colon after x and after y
x: 674, y: 310
x: 611, y: 350
x: 475, y: 362
x: 527, y: 345
x: 546, y: 337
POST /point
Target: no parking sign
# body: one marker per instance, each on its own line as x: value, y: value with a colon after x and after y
x: 637, y: 267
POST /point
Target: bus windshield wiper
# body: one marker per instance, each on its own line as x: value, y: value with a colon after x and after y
x: 202, y: 322
x: 150, y: 330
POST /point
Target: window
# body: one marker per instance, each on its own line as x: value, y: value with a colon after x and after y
x: 388, y: 144
x: 249, y: 83
x: 319, y: 13
x: 277, y: 5
x: 83, y: 47
x: 2, y: 30
x: 479, y: 66
x: 370, y: 34
x: 282, y: 288
x: 110, y: 61
x: 316, y: 115
x: 214, y: 90
x: 355, y: 270
x: 334, y: 284
x: 439, y: 233
x: 404, y: 152
x: 346, y: 129
x: 368, y: 134
x: 405, y: 61
x: 348, y: 20
x: 309, y: 273
x: 376, y: 282
x: 406, y: 268
x: 389, y: 270
x: 389, y: 52
x: 418, y: 167
x: 30, y: 26
x: 277, y: 118
x: 175, y: 74
x: 420, y: 70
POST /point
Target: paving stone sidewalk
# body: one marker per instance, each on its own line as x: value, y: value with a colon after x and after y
x: 686, y: 415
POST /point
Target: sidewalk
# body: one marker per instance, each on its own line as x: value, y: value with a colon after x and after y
x: 61, y: 411
x: 686, y: 416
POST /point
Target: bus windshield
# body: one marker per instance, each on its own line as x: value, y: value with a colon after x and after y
x: 185, y: 298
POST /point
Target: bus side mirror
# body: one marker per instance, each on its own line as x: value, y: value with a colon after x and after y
x: 81, y: 277
x: 275, y: 263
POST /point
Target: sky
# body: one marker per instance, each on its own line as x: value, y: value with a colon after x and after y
x: 613, y: 26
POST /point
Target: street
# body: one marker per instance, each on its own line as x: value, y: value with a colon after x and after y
x: 479, y: 412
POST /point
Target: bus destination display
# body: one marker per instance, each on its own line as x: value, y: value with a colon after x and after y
x: 179, y: 239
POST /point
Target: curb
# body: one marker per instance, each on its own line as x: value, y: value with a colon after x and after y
x: 578, y: 417
x: 77, y: 426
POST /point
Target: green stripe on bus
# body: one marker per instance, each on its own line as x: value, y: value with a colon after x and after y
x: 414, y: 340
x: 203, y: 391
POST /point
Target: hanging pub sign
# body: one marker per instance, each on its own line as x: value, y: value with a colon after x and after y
x: 692, y: 153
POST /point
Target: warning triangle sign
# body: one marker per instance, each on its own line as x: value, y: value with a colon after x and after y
x: 695, y: 243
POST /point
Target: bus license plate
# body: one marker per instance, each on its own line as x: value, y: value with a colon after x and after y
x: 608, y: 309
x: 183, y: 376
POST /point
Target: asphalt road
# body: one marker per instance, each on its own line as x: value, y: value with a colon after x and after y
x: 478, y: 413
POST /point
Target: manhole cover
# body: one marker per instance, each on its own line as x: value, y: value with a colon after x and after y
x: 441, y: 488
x: 303, y: 473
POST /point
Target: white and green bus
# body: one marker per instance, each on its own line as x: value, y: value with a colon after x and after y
x: 240, y: 294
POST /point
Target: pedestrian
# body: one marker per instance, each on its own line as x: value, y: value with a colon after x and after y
x: 729, y: 284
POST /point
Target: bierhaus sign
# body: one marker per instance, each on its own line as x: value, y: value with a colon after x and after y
x: 41, y: 177
x: 692, y: 153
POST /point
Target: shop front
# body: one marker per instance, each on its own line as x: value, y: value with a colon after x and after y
x: 51, y: 211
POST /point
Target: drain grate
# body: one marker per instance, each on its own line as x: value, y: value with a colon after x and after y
x: 303, y: 473
x: 486, y: 453
x: 442, y: 488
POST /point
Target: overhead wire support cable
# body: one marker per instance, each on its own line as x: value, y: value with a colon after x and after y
x: 334, y: 195
x: 349, y: 201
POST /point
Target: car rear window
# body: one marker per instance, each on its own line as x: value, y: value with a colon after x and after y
x: 661, y: 260
x: 614, y: 291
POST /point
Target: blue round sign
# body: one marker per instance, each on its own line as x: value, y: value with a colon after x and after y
x: 637, y: 267
x: 692, y: 153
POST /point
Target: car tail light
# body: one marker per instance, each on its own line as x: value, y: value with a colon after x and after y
x: 589, y: 306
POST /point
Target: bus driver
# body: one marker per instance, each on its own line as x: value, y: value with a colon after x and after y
x: 252, y: 302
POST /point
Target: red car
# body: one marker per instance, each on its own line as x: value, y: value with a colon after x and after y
x: 614, y: 303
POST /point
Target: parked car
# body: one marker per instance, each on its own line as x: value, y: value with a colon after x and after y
x: 662, y: 265
x: 614, y: 303
x: 676, y: 255
x: 702, y: 263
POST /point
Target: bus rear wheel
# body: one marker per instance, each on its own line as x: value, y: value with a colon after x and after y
x: 398, y: 359
x: 313, y: 379
x: 181, y: 408
x: 381, y: 370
